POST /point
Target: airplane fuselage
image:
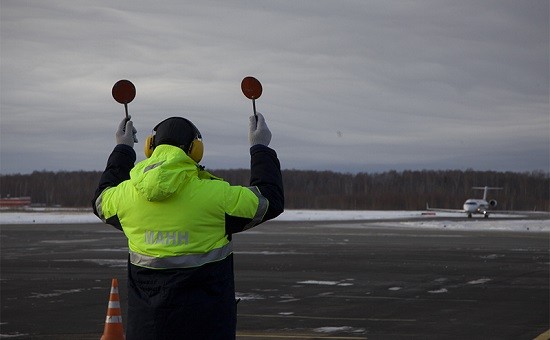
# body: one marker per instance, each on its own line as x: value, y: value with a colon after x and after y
x: 476, y: 206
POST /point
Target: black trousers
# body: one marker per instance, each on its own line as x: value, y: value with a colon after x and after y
x: 196, y: 303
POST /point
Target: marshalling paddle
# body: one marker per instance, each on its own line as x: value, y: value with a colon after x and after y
x: 124, y: 92
x: 252, y: 89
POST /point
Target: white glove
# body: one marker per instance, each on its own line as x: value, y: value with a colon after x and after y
x: 126, y: 133
x: 259, y: 132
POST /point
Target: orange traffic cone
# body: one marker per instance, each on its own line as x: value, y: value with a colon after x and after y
x: 113, y: 323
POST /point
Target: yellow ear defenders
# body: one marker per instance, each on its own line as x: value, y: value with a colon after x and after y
x: 149, y: 146
x: 195, y: 149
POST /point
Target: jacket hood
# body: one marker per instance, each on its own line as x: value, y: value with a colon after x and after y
x: 159, y: 176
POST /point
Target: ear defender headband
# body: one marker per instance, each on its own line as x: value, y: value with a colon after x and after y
x: 176, y: 131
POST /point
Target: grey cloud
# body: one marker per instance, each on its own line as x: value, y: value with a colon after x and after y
x: 348, y: 86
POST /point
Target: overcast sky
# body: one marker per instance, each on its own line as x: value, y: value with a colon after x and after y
x: 348, y: 86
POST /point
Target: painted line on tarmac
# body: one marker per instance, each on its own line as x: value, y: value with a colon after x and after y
x: 327, y: 318
x: 296, y: 336
x: 392, y: 298
x: 543, y: 336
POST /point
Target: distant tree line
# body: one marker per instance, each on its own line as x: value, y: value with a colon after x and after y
x: 391, y: 190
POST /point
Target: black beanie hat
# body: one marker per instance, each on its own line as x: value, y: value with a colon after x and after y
x: 176, y: 131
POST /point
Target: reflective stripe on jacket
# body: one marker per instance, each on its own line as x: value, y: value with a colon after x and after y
x: 176, y: 215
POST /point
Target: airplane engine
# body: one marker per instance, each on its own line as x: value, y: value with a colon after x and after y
x: 493, y: 203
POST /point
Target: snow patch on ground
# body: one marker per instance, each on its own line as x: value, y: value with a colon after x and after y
x: 343, y: 283
x: 75, y: 216
x: 483, y: 224
x: 13, y: 335
x: 479, y: 281
x: 248, y: 296
x: 438, y: 291
x: 341, y: 329
x: 55, y: 293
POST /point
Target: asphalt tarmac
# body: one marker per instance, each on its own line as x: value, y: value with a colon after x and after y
x: 299, y: 280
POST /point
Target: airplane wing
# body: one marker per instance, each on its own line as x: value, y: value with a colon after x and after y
x: 543, y: 214
x: 444, y: 210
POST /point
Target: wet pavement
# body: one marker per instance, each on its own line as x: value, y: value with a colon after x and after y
x: 299, y: 280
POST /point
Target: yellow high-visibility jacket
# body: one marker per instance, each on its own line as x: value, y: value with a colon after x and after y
x: 179, y: 220
x: 176, y: 215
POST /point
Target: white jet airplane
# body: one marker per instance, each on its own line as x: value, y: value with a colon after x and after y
x: 474, y: 205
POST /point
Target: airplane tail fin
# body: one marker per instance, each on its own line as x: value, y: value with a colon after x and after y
x: 485, y: 189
